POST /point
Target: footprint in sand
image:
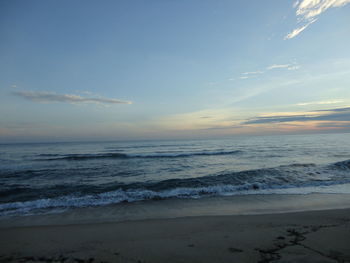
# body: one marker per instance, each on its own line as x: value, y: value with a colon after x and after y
x: 235, y: 250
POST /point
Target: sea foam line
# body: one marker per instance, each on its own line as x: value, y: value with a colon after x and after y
x: 134, y: 195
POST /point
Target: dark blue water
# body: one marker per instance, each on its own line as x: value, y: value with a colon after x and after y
x: 44, y: 177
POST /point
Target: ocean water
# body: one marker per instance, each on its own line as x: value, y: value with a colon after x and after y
x: 53, y: 177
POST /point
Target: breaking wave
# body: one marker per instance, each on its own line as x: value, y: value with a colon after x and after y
x: 76, y: 157
x: 263, y: 181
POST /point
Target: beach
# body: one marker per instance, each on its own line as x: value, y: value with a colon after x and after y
x: 175, y: 131
x: 261, y: 199
x: 309, y: 232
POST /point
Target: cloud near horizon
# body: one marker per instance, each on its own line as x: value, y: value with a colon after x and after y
x: 337, y: 114
x: 50, y: 97
x: 307, y: 12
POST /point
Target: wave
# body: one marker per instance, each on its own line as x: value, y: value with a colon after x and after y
x: 296, y: 177
x: 48, y: 154
x: 134, y: 195
x: 75, y: 157
x: 343, y: 165
x: 145, y: 146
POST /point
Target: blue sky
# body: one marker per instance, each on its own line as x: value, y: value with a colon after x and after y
x: 105, y: 70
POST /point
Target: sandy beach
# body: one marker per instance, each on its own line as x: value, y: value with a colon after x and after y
x: 309, y: 236
x: 169, y: 131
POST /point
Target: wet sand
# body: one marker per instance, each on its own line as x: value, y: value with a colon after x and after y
x: 309, y: 236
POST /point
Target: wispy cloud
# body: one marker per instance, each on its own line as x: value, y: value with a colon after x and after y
x: 249, y: 74
x: 253, y: 74
x: 298, y: 30
x: 295, y: 67
x: 307, y: 12
x: 324, y: 102
x: 274, y: 66
x: 283, y: 66
x: 343, y: 124
x: 49, y: 97
x: 309, y: 9
x: 337, y: 114
x: 198, y: 120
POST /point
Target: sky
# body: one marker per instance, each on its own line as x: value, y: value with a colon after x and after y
x: 172, y: 69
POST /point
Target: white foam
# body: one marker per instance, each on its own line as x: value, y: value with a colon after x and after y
x: 119, y: 195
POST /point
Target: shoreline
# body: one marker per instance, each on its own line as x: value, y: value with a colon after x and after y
x: 311, y: 236
x: 259, y: 204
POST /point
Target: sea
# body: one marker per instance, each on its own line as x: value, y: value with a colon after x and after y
x: 40, y: 178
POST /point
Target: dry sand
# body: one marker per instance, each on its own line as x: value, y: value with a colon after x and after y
x: 313, y: 236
